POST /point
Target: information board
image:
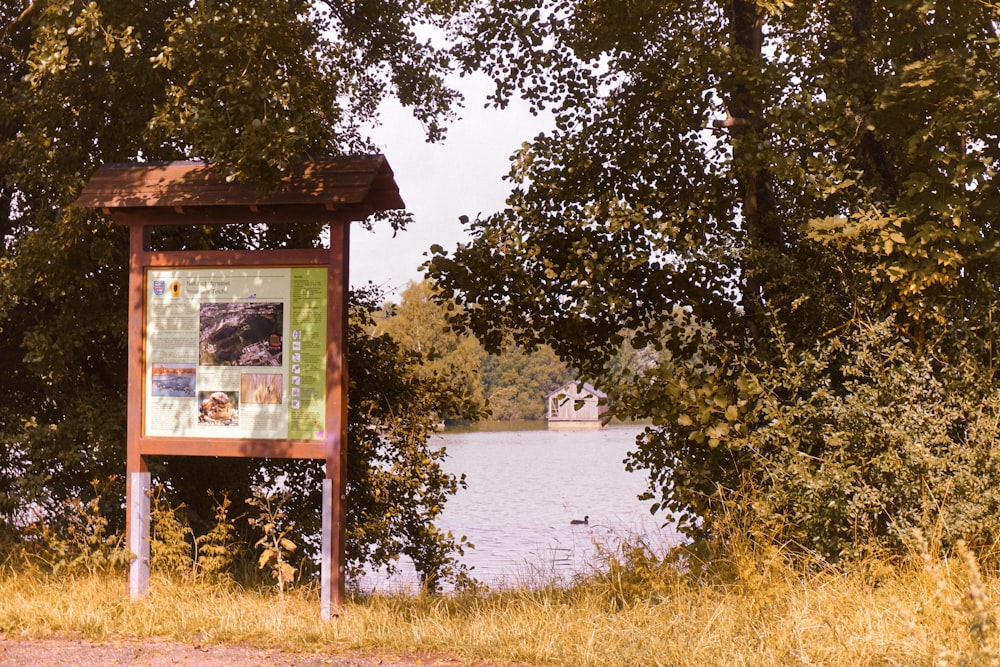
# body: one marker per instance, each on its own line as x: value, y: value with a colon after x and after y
x: 236, y: 352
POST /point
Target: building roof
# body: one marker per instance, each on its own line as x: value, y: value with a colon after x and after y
x: 586, y: 388
x: 354, y: 187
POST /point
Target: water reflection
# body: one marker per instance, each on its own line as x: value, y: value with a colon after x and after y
x: 525, y: 486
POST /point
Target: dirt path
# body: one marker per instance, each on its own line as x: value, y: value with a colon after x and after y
x: 161, y: 653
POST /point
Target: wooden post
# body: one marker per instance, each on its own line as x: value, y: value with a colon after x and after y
x: 328, y: 561
x: 137, y: 476
x: 138, y: 531
x: 335, y: 483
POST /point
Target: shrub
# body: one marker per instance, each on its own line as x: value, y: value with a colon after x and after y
x: 77, y: 540
x: 837, y: 450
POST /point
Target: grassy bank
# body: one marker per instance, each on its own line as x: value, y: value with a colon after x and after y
x: 931, y: 611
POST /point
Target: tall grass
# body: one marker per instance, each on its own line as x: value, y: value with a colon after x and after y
x: 759, y: 607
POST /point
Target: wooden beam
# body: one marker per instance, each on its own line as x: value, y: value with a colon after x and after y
x: 236, y: 447
x: 232, y: 215
x: 232, y: 258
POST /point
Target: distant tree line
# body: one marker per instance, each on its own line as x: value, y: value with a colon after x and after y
x: 510, y: 385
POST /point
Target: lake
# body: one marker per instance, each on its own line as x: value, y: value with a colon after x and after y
x: 525, y: 486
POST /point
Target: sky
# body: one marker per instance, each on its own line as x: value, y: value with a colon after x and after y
x: 462, y: 175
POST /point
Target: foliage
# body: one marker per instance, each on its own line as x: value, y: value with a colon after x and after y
x: 170, y: 542
x: 275, y: 527
x: 175, y: 549
x: 254, y: 86
x: 215, y: 551
x: 792, y: 206
x: 78, y: 542
x: 838, y: 449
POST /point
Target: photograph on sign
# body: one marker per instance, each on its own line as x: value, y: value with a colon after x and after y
x: 240, y: 333
x: 173, y: 379
x: 236, y: 352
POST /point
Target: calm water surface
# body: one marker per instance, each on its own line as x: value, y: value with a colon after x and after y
x: 524, y: 488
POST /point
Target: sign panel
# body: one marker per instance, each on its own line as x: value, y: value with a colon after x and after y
x: 236, y: 352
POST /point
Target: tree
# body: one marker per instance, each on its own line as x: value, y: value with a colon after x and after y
x: 420, y: 324
x: 760, y: 190
x: 517, y: 382
x: 254, y: 86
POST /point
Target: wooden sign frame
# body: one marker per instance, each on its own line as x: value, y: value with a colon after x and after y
x: 335, y: 192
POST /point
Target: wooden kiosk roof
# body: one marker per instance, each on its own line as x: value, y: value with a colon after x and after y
x: 193, y: 192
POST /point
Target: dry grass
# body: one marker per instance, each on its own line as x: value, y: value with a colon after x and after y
x: 934, y: 611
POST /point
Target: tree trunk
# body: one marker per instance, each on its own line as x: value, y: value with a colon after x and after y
x: 869, y: 153
x: 744, y: 100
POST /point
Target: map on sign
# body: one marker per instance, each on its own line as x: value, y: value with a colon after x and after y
x: 236, y: 353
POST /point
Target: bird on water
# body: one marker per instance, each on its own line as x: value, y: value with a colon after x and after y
x: 577, y: 522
